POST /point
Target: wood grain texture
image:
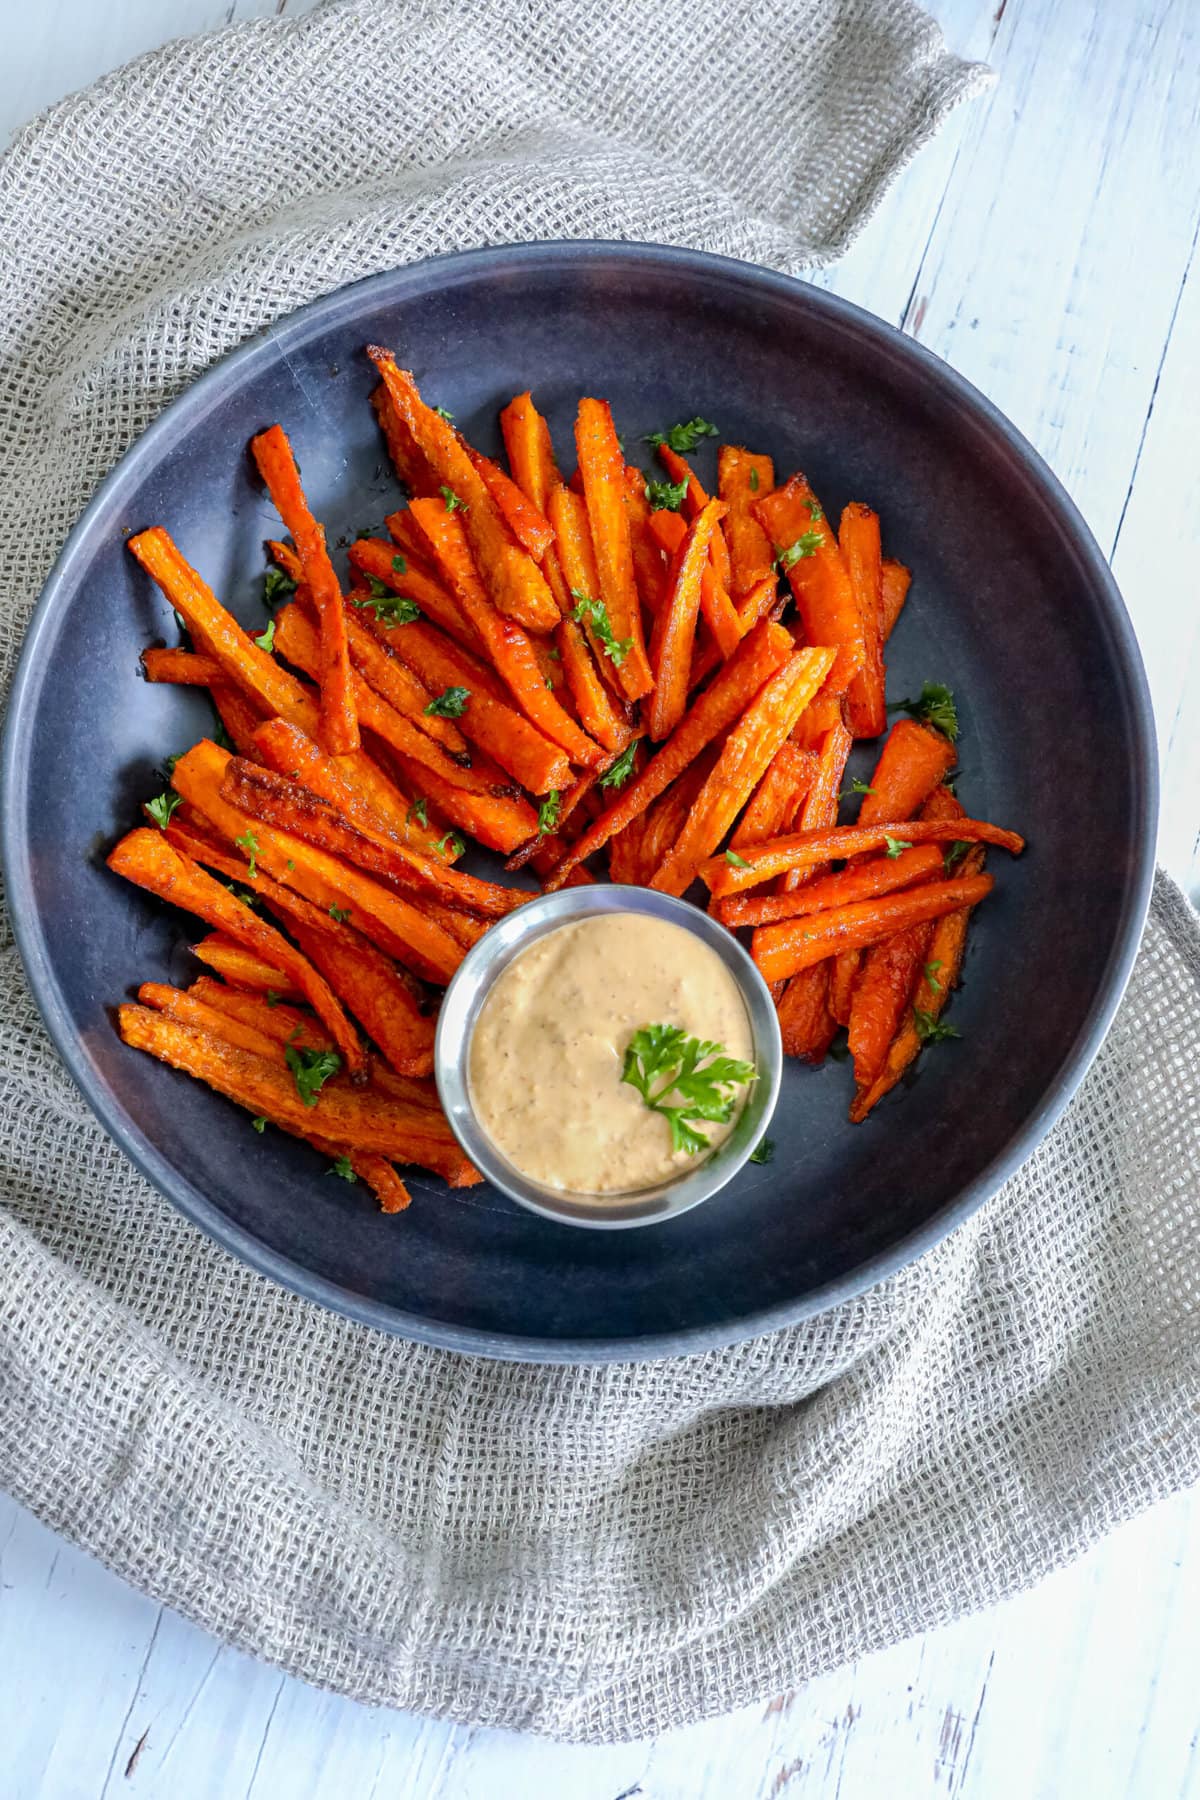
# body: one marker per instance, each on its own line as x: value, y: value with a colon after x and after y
x: 1045, y: 245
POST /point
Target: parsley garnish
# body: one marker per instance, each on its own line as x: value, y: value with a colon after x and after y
x: 259, y: 1124
x: 419, y: 810
x: 953, y: 854
x: 814, y: 510
x: 341, y: 1166
x: 667, y: 1055
x: 272, y: 997
x: 933, y: 706
x: 389, y: 609
x: 276, y: 587
x: 450, y: 845
x: 753, y: 490
x: 763, y: 1151
x: 738, y: 862
x: 806, y: 545
x: 249, y: 843
x: 451, y: 703
x: 895, y: 846
x: 266, y: 640
x: 931, y: 975
x: 932, y: 1030
x: 400, y: 566
x: 291, y: 862
x: 596, y: 614
x: 339, y: 914
x: 666, y: 496
x: 548, y: 813
x: 618, y: 772
x: 311, y: 1069
x: 856, y: 787
x: 442, y: 413
x: 453, y: 503
x: 161, y: 808
x: 683, y: 438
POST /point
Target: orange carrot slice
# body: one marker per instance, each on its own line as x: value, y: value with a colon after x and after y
x: 743, y: 479
x: 815, y: 567
x: 184, y: 668
x: 914, y: 759
x: 895, y: 580
x: 781, y: 950
x: 528, y: 524
x: 602, y: 467
x: 803, y: 849
x: 806, y: 1024
x: 858, y: 540
x: 675, y: 625
x: 861, y: 881
x: 239, y: 965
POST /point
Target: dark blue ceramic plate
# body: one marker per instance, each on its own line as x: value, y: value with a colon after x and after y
x: 1012, y: 605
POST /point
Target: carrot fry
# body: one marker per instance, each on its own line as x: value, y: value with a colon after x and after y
x: 816, y: 570
x: 277, y: 466
x: 650, y: 567
x: 756, y: 659
x: 189, y: 1008
x: 664, y: 821
x: 805, y: 1022
x: 776, y: 800
x: 781, y: 950
x: 720, y: 614
x: 286, y: 749
x: 577, y: 558
x: 239, y: 717
x: 803, y: 849
x: 743, y: 478
x: 514, y: 582
x: 527, y: 523
x: 881, y: 993
x: 940, y: 977
x: 377, y: 995
x: 408, y: 462
x: 394, y: 681
x: 862, y: 881
x: 510, y: 650
x: 760, y: 603
x: 499, y: 821
x: 530, y: 452
x: 843, y: 973
x: 858, y: 540
x: 237, y: 964
x: 597, y: 713
x: 675, y: 625
x: 694, y: 501
x: 292, y: 807
x: 747, y: 750
x: 602, y: 467
x: 377, y: 559
x: 894, y: 585
x: 914, y: 759
x: 341, y: 1114
x: 820, y: 804
x: 145, y: 857
x: 184, y: 668
x: 398, y: 927
x: 376, y: 1171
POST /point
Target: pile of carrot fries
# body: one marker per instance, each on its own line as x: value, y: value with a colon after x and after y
x: 609, y: 676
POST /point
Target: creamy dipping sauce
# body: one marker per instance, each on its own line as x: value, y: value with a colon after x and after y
x: 548, y: 1049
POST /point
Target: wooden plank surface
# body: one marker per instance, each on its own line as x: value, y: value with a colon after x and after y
x: 1044, y: 245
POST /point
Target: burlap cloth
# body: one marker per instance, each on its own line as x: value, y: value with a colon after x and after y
x: 594, y: 1552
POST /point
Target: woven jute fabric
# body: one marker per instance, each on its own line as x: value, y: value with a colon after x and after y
x: 595, y: 1552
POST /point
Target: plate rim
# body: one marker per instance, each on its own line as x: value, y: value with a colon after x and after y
x: 404, y: 281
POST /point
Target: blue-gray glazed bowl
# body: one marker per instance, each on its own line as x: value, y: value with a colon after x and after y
x: 1012, y: 605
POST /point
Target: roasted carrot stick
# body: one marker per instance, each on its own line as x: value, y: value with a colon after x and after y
x: 401, y: 929
x: 408, y: 462
x: 510, y: 650
x: 535, y: 471
x: 602, y: 467
x: 804, y: 848
x: 816, y: 570
x: 650, y: 567
x: 515, y: 584
x: 190, y: 1009
x: 528, y: 524
x: 781, y: 950
x: 805, y: 1022
x: 861, y: 881
x: 939, y: 978
x: 372, y: 1121
x: 377, y: 559
x: 145, y: 857
x: 675, y: 625
x: 665, y: 820
x: 293, y: 807
x: 237, y: 964
x: 271, y: 1019
x: 277, y: 466
x: 894, y: 585
x: 914, y: 759
x: 843, y: 974
x: 756, y: 659
x: 184, y: 668
x: 747, y: 750
x: 858, y: 540
x: 776, y: 799
x: 819, y: 807
x: 743, y: 479
x: 694, y: 502
x: 598, y: 714
x: 285, y: 748
x: 881, y: 993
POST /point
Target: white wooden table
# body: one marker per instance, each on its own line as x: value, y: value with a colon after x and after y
x: 1044, y: 246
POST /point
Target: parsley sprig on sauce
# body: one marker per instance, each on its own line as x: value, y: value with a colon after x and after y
x: 663, y: 1061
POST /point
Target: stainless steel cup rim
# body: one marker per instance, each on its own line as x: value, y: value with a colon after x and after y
x: 472, y: 982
